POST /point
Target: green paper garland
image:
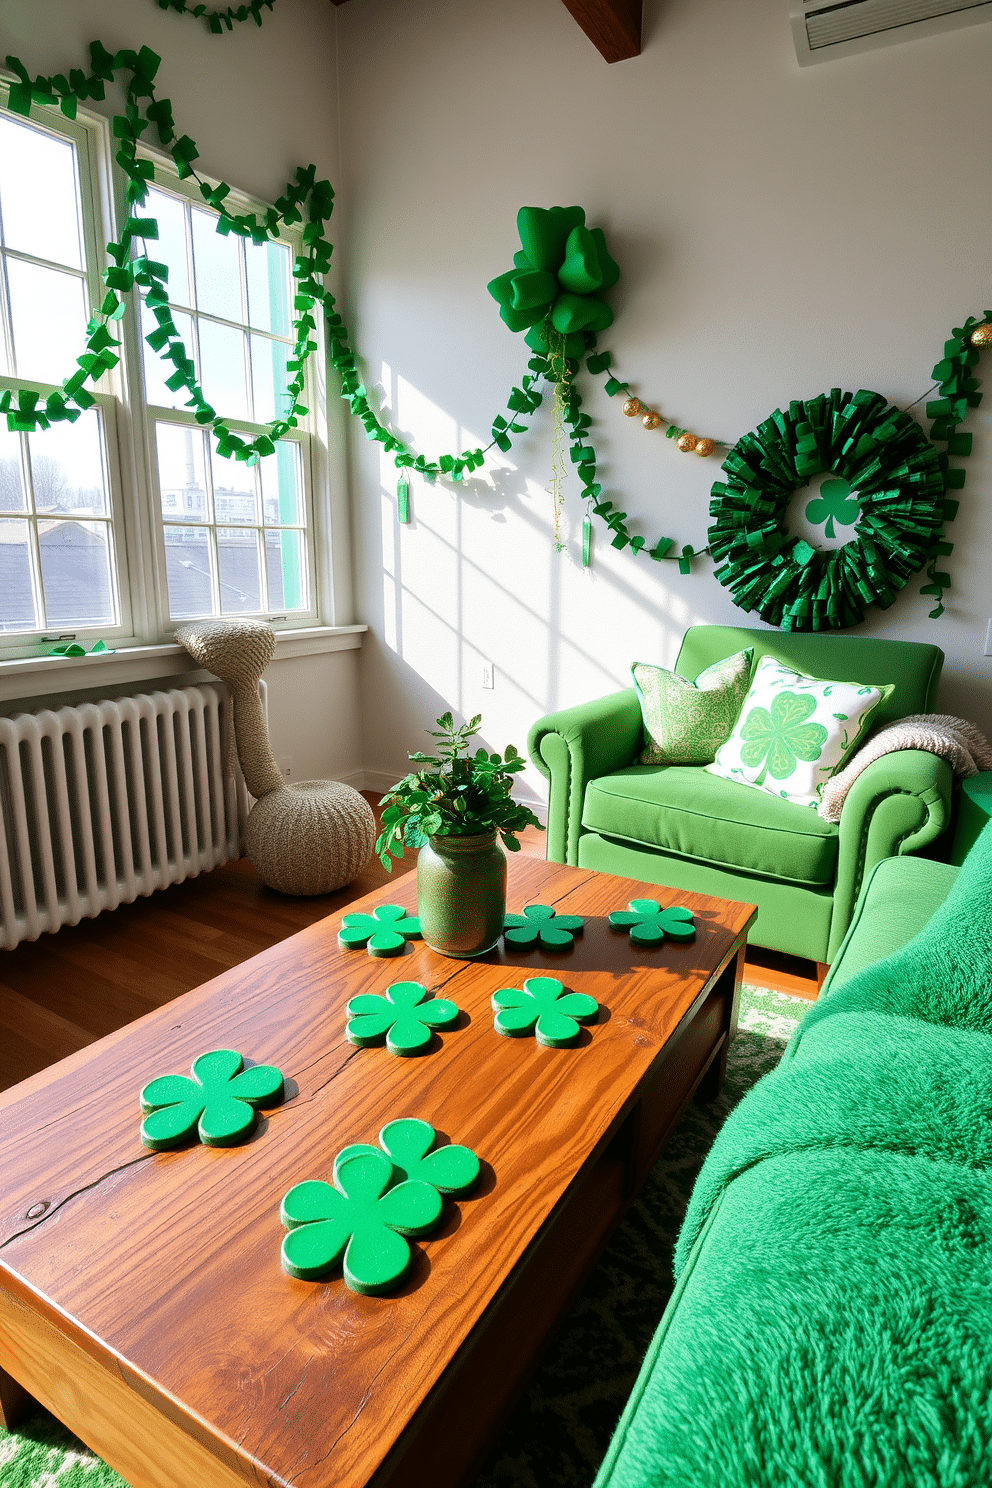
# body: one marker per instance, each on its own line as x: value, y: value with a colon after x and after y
x: 217, y: 20
x: 882, y: 454
x: 555, y: 292
x: 959, y: 390
x: 101, y: 354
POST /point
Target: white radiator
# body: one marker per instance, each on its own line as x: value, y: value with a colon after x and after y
x: 105, y: 801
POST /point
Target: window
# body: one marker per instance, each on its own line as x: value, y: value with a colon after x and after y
x: 126, y: 521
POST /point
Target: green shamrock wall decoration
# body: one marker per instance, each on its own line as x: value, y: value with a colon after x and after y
x: 782, y: 736
x: 359, y: 1218
x: 541, y: 923
x: 650, y: 925
x: 544, y: 1008
x: 383, y: 933
x: 558, y: 279
x: 408, y: 1143
x: 402, y: 1018
x: 834, y: 503
x: 219, y: 1102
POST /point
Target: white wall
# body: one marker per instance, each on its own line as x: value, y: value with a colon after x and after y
x: 779, y: 232
x: 258, y: 102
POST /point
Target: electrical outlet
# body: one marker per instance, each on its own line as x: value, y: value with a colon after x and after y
x: 988, y: 639
x: 487, y: 673
x: 285, y: 766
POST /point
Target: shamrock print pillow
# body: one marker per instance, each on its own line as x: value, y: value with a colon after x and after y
x: 795, y: 731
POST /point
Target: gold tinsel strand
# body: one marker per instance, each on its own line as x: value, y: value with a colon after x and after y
x: 559, y: 470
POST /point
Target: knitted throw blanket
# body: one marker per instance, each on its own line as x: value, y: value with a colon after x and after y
x: 964, y: 746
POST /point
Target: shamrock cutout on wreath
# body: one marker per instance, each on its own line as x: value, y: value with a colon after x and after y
x: 834, y: 503
x: 408, y: 1142
x: 649, y: 924
x: 360, y: 1218
x: 402, y: 1018
x: 540, y: 1007
x: 384, y: 932
x: 540, y: 922
x: 219, y: 1102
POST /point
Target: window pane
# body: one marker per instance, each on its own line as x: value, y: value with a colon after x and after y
x: 222, y: 369
x: 67, y: 470
x: 286, y: 570
x: 11, y: 480
x: 156, y: 368
x: 16, y: 603
x: 75, y: 573
x: 170, y: 248
x: 217, y: 265
x: 282, y: 493
x: 269, y: 273
x: 48, y: 310
x: 240, y: 580
x: 187, y: 567
x: 269, y: 378
x: 181, y: 479
x: 39, y: 195
x: 234, y: 490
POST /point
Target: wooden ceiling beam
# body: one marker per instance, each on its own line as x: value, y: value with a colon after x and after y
x: 613, y: 26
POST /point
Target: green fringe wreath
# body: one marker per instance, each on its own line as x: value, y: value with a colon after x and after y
x: 886, y: 459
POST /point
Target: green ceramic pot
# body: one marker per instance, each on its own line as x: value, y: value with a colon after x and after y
x: 461, y: 894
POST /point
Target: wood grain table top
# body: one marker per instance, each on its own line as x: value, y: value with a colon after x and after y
x: 165, y: 1266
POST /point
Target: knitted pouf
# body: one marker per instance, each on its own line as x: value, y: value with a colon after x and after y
x: 310, y: 838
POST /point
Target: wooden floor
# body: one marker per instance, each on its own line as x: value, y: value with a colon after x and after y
x: 61, y: 992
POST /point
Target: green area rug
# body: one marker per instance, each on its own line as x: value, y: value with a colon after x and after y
x: 559, y: 1431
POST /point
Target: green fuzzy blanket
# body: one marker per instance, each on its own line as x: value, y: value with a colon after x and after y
x: 832, y: 1327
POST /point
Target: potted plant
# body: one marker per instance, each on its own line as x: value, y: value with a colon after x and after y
x: 452, y: 808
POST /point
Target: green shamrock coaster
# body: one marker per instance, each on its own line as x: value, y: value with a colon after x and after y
x: 541, y: 1007
x: 408, y: 1142
x: 359, y: 1218
x: 383, y: 933
x: 649, y: 924
x: 219, y: 1102
x: 402, y: 1018
x: 541, y: 923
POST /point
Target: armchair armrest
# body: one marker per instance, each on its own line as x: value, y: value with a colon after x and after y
x: 899, y: 804
x: 571, y: 748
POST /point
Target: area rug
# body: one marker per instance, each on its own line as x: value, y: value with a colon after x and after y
x: 559, y: 1431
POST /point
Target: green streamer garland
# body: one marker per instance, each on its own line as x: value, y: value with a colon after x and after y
x: 219, y: 20
x: 900, y: 477
x: 959, y: 390
x: 897, y: 474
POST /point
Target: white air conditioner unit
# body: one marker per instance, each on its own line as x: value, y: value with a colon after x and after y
x: 823, y: 30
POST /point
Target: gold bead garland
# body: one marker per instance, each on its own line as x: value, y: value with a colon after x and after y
x: 982, y: 335
x: 651, y: 419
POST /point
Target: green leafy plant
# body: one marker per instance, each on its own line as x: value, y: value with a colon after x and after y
x: 453, y: 794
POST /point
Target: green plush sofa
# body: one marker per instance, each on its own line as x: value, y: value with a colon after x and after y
x: 831, y: 1320
x: 678, y: 825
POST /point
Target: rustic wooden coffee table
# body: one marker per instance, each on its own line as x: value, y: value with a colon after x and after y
x: 141, y: 1295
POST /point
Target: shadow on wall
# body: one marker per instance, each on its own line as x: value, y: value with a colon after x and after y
x: 477, y: 580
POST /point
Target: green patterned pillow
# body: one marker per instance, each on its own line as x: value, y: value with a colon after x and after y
x: 794, y: 731
x: 686, y: 722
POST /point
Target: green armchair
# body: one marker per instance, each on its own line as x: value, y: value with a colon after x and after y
x: 681, y: 826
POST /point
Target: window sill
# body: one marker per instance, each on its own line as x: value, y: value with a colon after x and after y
x: 34, y: 677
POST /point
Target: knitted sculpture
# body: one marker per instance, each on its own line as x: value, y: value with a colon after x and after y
x: 304, y: 839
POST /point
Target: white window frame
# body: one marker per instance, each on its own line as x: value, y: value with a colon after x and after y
x: 304, y: 436
x: 139, y: 536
